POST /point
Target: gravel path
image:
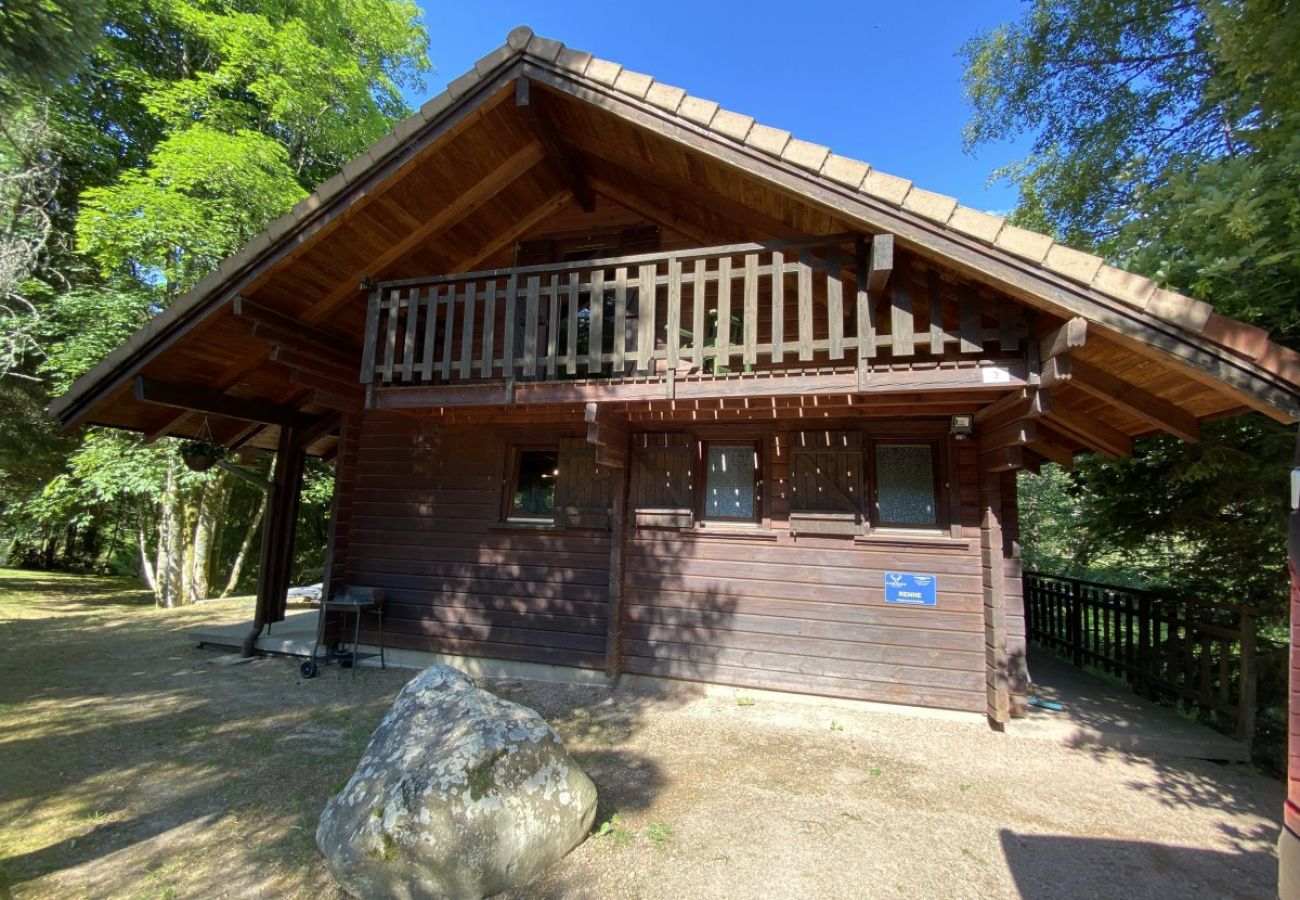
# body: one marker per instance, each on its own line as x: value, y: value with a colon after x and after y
x: 735, y: 797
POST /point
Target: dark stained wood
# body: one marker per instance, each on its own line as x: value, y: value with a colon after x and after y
x: 1070, y: 336
x: 204, y: 400
x: 533, y: 107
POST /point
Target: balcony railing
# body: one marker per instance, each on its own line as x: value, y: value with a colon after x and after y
x: 710, y: 311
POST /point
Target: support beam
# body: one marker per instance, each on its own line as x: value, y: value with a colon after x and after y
x: 205, y: 400
x: 442, y: 219
x: 1068, y: 337
x: 503, y: 239
x: 1026, y: 403
x: 276, y: 327
x: 277, y: 535
x: 1008, y: 459
x: 533, y: 107
x: 1135, y: 401
x: 1091, y: 433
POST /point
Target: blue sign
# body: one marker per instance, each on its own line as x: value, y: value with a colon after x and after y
x: 911, y: 589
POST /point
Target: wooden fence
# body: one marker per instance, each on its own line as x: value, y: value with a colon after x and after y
x: 1199, y: 656
x: 717, y: 309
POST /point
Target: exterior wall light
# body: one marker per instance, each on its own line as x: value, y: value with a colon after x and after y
x: 963, y: 426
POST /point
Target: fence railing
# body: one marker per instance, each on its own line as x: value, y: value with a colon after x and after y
x: 717, y: 309
x: 1199, y: 656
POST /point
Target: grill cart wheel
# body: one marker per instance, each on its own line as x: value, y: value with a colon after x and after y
x: 308, y: 669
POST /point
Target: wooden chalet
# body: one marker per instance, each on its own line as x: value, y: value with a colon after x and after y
x: 617, y: 379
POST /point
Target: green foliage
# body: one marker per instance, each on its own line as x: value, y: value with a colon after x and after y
x: 1166, y: 137
x: 204, y: 194
x: 184, y: 128
x: 42, y: 42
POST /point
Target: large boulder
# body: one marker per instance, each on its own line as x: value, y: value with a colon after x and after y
x: 458, y: 794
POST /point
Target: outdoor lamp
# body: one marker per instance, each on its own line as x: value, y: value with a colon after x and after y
x: 963, y: 426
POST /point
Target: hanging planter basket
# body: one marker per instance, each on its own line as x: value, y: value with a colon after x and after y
x: 199, y: 456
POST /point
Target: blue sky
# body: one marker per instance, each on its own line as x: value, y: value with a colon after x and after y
x: 877, y: 81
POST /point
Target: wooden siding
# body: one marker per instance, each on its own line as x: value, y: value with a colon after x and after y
x: 426, y: 527
x: 754, y: 607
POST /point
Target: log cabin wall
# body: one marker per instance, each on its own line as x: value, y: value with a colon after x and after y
x: 760, y: 607
x: 426, y: 526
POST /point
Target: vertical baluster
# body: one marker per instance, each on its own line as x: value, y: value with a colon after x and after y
x: 778, y: 306
x: 673, y: 336
x: 972, y: 327
x: 467, y: 337
x: 487, y: 364
x: 408, y: 333
x: 430, y: 302
x: 596, y: 323
x: 553, y: 326
x: 390, y: 341
x: 620, y: 320
x: 834, y: 304
x: 509, y: 323
x: 571, y: 357
x: 866, y: 308
x: 933, y: 288
x: 722, y: 355
x: 750, y: 350
x: 805, y: 306
x: 699, y: 302
x: 646, y: 297
x: 449, y: 332
x: 901, y: 320
x: 531, y: 312
x: 1008, y: 326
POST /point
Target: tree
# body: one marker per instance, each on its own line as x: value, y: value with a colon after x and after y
x: 187, y: 128
x: 1167, y: 138
x: 42, y: 42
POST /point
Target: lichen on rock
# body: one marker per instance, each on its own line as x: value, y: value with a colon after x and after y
x: 458, y: 794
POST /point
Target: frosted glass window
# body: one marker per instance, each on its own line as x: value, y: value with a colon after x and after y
x: 905, y: 484
x: 729, y: 492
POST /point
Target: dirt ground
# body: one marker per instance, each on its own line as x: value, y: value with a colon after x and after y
x: 134, y: 765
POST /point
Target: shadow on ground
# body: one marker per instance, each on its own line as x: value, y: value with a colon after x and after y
x: 1055, y: 867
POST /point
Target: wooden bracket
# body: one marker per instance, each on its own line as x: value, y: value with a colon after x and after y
x: 562, y: 158
x: 608, y: 432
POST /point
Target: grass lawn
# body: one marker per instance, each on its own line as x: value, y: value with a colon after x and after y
x: 134, y: 765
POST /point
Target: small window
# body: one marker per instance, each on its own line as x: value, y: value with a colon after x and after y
x: 532, y: 490
x: 905, y: 485
x: 731, y: 483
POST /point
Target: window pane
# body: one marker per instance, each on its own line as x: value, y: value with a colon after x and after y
x: 535, y: 487
x: 905, y: 484
x: 730, y: 489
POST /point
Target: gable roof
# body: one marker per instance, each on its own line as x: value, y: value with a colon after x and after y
x: 1029, y: 266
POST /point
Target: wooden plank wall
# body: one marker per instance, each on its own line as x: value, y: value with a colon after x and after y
x: 1014, y: 590
x: 806, y: 613
x: 424, y: 527
x: 762, y: 609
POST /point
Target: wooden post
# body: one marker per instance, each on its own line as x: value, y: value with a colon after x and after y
x: 1246, y: 687
x: 995, y: 618
x: 277, y: 535
x: 1074, y: 603
x: 617, y: 545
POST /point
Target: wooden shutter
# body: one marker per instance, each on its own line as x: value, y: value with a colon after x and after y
x: 662, y: 494
x: 826, y: 494
x: 584, y: 491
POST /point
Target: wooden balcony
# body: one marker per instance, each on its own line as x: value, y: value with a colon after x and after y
x: 822, y: 314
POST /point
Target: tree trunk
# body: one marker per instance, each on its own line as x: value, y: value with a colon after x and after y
x: 208, y: 509
x: 237, y: 567
x: 146, y: 567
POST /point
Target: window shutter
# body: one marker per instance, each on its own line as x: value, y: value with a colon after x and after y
x: 826, y: 482
x: 584, y: 491
x: 663, y: 492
